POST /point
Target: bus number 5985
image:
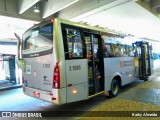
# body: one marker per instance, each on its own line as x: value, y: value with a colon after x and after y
x: 75, y: 67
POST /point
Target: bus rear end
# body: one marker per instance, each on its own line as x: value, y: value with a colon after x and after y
x: 41, y: 74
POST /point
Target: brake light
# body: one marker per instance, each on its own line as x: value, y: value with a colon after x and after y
x: 35, y: 25
x: 52, y: 20
x: 53, y: 98
x: 56, y: 77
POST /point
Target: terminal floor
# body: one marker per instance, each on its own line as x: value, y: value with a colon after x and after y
x: 136, y: 97
x: 6, y: 84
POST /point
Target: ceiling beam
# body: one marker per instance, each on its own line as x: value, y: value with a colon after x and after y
x: 158, y: 10
x: 85, y: 8
x: 53, y: 6
x: 10, y: 8
x: 155, y: 3
x: 82, y: 7
x: 24, y: 5
x: 148, y: 6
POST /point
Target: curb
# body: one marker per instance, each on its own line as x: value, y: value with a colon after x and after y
x: 10, y: 87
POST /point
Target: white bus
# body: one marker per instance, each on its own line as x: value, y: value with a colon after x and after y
x: 64, y: 61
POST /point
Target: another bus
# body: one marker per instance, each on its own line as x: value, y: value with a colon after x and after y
x: 64, y: 61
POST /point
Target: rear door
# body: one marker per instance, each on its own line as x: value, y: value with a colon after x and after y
x: 95, y: 63
x: 143, y: 53
x: 76, y: 64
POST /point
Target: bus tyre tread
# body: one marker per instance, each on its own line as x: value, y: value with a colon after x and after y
x: 115, y: 86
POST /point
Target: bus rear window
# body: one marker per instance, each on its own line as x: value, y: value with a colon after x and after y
x: 38, y: 37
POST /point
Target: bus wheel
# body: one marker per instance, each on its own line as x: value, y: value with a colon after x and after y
x: 115, y: 87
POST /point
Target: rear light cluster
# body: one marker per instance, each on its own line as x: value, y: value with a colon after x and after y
x: 56, y: 77
x: 52, y: 20
x: 52, y: 98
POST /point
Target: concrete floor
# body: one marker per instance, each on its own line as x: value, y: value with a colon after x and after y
x: 6, y: 84
x: 134, y: 98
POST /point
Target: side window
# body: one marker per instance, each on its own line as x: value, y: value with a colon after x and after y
x: 74, y: 43
x: 115, y: 46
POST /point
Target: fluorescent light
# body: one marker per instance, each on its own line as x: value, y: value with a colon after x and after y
x: 36, y: 9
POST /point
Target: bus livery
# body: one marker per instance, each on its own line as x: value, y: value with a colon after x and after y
x: 64, y: 61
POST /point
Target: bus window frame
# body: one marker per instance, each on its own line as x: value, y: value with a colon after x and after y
x: 33, y: 51
x: 65, y: 41
x: 116, y: 45
x: 33, y: 30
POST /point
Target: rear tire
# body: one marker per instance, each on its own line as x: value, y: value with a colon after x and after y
x: 115, y: 87
x: 146, y: 78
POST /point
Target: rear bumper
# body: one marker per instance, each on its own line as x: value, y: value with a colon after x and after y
x: 56, y: 96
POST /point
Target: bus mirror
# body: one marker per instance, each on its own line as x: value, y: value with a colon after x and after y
x: 21, y: 63
x: 18, y: 49
x: 18, y: 45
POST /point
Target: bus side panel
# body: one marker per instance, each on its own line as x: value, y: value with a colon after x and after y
x: 77, y: 92
x: 77, y: 79
x: 122, y: 66
x: 60, y: 95
x: 76, y: 71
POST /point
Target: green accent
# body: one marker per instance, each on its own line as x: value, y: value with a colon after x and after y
x: 21, y: 63
x: 96, y: 94
x: 82, y: 25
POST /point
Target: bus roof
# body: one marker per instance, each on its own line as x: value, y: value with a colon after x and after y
x: 78, y: 24
x: 82, y: 25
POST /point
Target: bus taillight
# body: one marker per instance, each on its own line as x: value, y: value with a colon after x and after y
x: 56, y: 77
x: 52, y: 20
